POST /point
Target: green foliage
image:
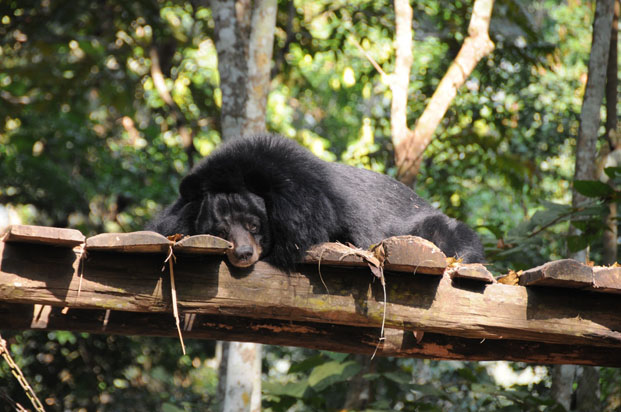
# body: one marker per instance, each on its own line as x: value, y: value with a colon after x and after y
x: 87, y: 141
x: 393, y: 386
x: 72, y: 371
x: 593, y: 188
x: 85, y: 137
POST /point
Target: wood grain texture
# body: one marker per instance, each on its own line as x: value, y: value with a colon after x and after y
x: 202, y: 244
x: 411, y: 254
x: 324, y: 336
x: 207, y: 285
x: 471, y: 271
x: 565, y: 273
x: 142, y: 242
x: 43, y: 235
x: 607, y: 279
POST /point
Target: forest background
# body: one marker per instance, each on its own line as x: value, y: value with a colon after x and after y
x: 88, y: 139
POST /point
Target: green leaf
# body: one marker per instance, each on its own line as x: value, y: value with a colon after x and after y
x: 292, y: 389
x: 169, y: 407
x: 335, y: 356
x: 330, y: 373
x: 399, y: 377
x: 306, y: 364
x: 576, y: 243
x: 430, y: 390
x: 612, y: 172
x: 592, y: 188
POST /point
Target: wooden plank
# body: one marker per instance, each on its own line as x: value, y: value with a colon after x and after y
x: 338, y: 254
x: 565, y: 273
x: 339, y: 338
x: 142, y: 242
x: 44, y: 235
x: 411, y: 254
x: 203, y: 244
x: 471, y: 271
x: 207, y: 285
x: 607, y: 279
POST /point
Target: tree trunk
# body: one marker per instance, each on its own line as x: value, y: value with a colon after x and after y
x: 232, y: 67
x: 593, y: 97
x: 259, y: 64
x: 244, y: 45
x: 241, y: 391
x: 562, y: 382
x: 610, y: 235
x: 587, y: 394
x: 401, y: 79
x: 410, y: 145
x: 585, y: 169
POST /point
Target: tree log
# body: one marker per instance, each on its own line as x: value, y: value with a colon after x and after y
x: 37, y: 274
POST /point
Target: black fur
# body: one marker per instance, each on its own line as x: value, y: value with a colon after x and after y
x: 297, y: 200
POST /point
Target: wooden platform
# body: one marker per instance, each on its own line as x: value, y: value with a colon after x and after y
x: 561, y: 312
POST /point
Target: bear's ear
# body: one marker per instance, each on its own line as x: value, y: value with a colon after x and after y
x: 190, y: 187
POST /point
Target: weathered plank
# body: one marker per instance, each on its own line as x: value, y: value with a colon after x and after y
x: 202, y: 244
x: 471, y: 271
x: 607, y: 279
x: 340, y: 338
x: 411, y: 254
x: 142, y: 242
x: 565, y: 273
x: 43, y: 235
x: 208, y: 285
x: 338, y: 254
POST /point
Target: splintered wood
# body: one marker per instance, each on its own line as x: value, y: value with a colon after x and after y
x: 338, y: 254
x: 471, y: 271
x: 411, y: 254
x: 607, y: 279
x: 566, y: 273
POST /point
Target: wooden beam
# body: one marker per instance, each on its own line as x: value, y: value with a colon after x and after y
x: 350, y: 297
x: 566, y: 273
x: 339, y: 338
x: 54, y: 236
x: 607, y: 279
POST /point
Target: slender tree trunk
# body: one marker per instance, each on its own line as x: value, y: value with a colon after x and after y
x: 259, y: 64
x: 401, y: 79
x: 593, y: 97
x: 562, y: 383
x: 563, y: 375
x: 587, y: 393
x: 240, y: 390
x: 232, y: 66
x: 410, y: 145
x: 610, y: 235
x: 244, y: 44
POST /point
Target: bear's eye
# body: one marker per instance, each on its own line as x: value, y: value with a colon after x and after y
x: 252, y: 228
x: 223, y: 233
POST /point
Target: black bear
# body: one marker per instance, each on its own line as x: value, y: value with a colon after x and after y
x: 273, y: 199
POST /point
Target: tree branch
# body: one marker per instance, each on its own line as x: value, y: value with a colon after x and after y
x: 410, y: 145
